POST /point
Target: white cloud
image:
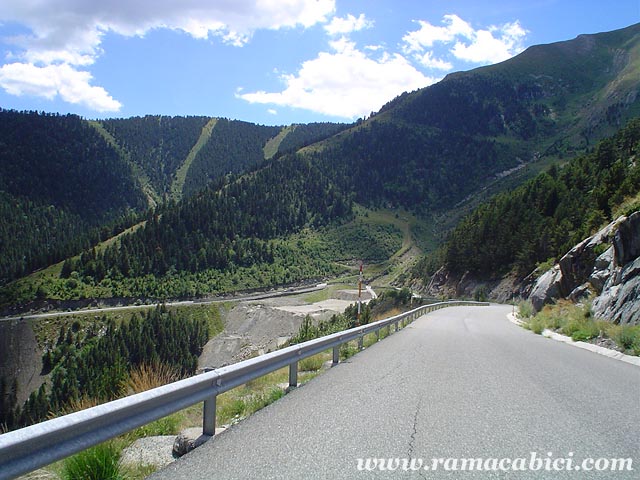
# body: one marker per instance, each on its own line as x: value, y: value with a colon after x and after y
x: 429, y: 34
x: 73, y: 86
x: 69, y: 33
x: 429, y: 61
x: 272, y: 111
x: 491, y: 45
x: 486, y: 48
x: 344, y: 83
x: 343, y: 26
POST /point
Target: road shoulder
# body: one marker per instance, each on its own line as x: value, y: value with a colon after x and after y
x: 607, y: 352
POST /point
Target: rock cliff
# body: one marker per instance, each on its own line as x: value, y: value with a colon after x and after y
x: 607, y: 265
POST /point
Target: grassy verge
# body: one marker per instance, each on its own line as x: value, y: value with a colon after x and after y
x: 577, y: 322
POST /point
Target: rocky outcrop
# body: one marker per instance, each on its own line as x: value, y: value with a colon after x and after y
x: 620, y: 297
x: 613, y: 275
x: 547, y: 288
x: 20, y: 357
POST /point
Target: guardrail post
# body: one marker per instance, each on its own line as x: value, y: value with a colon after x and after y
x: 396, y: 325
x: 293, y: 375
x: 378, y: 335
x: 361, y: 342
x: 209, y: 417
x: 336, y: 355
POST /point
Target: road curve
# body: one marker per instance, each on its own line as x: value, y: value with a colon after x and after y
x: 462, y: 382
x: 241, y: 297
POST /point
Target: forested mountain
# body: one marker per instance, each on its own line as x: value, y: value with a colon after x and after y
x: 60, y: 183
x: 157, y: 144
x: 426, y: 151
x: 545, y: 217
x: 62, y: 161
x: 224, y: 228
x: 234, y: 147
x: 429, y: 149
x: 303, y: 135
x: 67, y: 183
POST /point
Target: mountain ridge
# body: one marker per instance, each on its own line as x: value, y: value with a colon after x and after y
x: 424, y: 151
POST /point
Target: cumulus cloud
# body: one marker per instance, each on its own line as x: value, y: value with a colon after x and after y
x: 429, y: 34
x: 428, y: 60
x: 487, y: 48
x: 344, y: 82
x: 482, y: 46
x: 73, y: 86
x: 343, y: 26
x: 69, y: 33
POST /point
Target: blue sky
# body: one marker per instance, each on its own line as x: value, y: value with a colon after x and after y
x: 266, y: 61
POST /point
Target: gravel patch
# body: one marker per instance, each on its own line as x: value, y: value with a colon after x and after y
x: 155, y: 451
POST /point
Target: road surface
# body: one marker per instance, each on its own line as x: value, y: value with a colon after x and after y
x: 459, y: 383
x: 224, y: 298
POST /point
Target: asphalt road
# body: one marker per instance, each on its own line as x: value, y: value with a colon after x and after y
x: 463, y: 383
x: 224, y: 298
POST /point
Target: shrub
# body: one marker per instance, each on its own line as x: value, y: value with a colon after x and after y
x: 236, y: 408
x: 96, y: 463
x: 627, y: 336
x: 536, y: 325
x: 258, y: 402
x: 348, y: 350
x: 586, y: 332
x: 525, y: 309
x: 311, y: 364
x: 145, y: 377
x: 164, y: 426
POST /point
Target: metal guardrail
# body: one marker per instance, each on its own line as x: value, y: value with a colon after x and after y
x: 29, y: 448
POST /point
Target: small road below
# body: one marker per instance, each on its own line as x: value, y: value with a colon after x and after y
x: 459, y: 383
x: 223, y: 298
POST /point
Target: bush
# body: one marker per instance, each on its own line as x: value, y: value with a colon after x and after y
x: 311, y: 364
x: 525, y: 309
x: 536, y: 325
x: 147, y: 376
x: 164, y: 426
x: 588, y: 331
x: 258, y: 402
x: 348, y: 350
x: 627, y: 336
x: 97, y: 463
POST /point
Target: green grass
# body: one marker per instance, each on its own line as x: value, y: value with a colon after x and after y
x: 272, y: 145
x: 348, y: 350
x: 577, y: 322
x: 627, y: 336
x: 97, y: 463
x: 181, y: 174
x: 170, y: 425
x: 327, y: 293
x: 312, y: 364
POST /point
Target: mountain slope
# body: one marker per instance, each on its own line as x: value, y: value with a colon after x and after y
x: 429, y: 149
x: 539, y: 221
x: 158, y: 145
x: 60, y: 182
x: 233, y: 147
